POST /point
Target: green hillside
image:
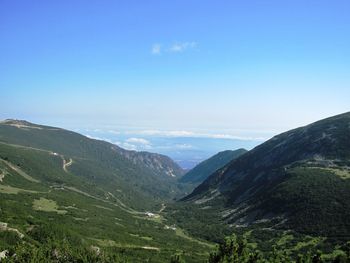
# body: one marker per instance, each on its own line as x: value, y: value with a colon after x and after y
x: 292, y: 187
x: 67, y: 198
x: 123, y: 173
x: 202, y: 171
x: 57, y: 185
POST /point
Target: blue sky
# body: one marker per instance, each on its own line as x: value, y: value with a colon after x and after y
x: 239, y: 68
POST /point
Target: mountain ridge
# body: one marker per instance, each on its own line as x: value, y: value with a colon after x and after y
x: 151, y: 160
x: 249, y: 187
x: 57, y: 186
x: 97, y: 161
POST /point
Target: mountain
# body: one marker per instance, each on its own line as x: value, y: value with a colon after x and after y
x: 61, y: 192
x: 112, y: 168
x: 201, y: 171
x: 158, y: 163
x: 297, y: 180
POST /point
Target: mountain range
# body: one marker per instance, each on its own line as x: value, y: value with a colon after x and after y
x: 57, y: 185
x: 291, y: 191
x: 297, y: 180
x: 97, y: 162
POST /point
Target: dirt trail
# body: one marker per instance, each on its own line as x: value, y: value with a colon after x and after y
x: 66, y: 164
x: 4, y: 227
x: 2, y: 175
x: 20, y: 172
x: 162, y: 208
x: 25, y: 147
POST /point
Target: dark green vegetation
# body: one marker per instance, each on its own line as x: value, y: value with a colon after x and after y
x: 294, y: 187
x: 125, y: 174
x: 233, y: 250
x: 202, y: 171
x: 65, y: 197
x: 57, y: 185
x: 305, y: 170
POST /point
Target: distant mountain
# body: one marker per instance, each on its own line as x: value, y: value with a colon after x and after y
x: 297, y: 180
x: 202, y: 171
x: 146, y: 176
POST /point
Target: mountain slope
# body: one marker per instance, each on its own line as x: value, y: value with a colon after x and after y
x: 199, y: 173
x: 58, y: 186
x: 145, y: 175
x: 158, y: 163
x: 297, y: 180
x: 57, y: 139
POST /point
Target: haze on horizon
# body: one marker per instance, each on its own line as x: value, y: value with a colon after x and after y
x: 244, y: 70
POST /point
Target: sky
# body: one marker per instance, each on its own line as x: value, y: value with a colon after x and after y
x: 226, y: 71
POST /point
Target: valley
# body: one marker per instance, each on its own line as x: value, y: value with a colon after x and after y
x: 80, y: 195
x: 41, y: 191
x: 174, y: 131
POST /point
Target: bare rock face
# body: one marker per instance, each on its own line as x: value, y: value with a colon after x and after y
x: 160, y: 164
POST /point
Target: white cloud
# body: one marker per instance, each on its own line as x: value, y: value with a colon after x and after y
x: 184, y: 146
x: 190, y: 134
x: 181, y: 46
x: 135, y: 144
x: 165, y: 133
x: 176, y: 47
x: 233, y: 137
x: 113, y: 132
x: 98, y: 138
x: 138, y: 141
x: 128, y: 146
x: 156, y: 49
x: 117, y: 143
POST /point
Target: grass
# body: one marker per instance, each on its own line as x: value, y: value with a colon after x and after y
x: 82, y: 199
x: 157, y: 218
x: 20, y: 172
x: 179, y: 232
x: 284, y: 239
x: 310, y: 241
x: 2, y: 175
x: 103, y: 207
x: 342, y: 173
x: 47, y: 205
x: 81, y: 219
x: 112, y: 243
x: 6, y: 189
x: 142, y: 237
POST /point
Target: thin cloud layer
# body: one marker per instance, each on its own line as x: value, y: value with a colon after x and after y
x: 181, y: 47
x: 156, y: 49
x: 138, y: 141
x: 190, y: 134
x: 177, y: 47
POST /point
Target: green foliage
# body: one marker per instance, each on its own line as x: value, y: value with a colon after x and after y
x: 8, y: 238
x: 177, y: 258
x: 40, y: 150
x: 316, y: 200
x: 104, y: 197
x: 298, y: 180
x: 237, y: 251
x: 59, y: 251
x: 203, y: 170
